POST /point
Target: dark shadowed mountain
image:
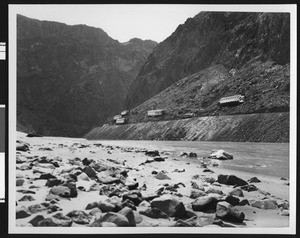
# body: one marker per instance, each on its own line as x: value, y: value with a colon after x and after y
x: 71, y: 78
x: 217, y: 54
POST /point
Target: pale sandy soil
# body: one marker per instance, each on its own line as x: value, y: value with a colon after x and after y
x: 254, y: 217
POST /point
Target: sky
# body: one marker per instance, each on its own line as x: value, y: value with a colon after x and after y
x: 121, y: 22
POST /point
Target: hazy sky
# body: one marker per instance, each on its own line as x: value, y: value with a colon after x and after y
x: 121, y: 22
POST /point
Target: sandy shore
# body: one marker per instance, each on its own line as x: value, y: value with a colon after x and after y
x: 147, y: 184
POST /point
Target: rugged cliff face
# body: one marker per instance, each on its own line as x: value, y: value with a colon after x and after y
x: 71, y: 78
x: 229, y: 53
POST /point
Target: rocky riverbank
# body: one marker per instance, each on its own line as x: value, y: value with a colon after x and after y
x: 80, y: 183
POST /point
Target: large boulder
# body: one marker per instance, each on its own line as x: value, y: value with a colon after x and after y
x: 116, y: 218
x: 56, y: 220
x: 22, y: 212
x: 220, y: 155
x: 90, y: 172
x: 106, y: 206
x: 153, y: 212
x: 128, y: 212
x: 169, y: 205
x: 36, y: 220
x: 226, y: 211
x: 266, y: 204
x: 206, y: 203
x: 231, y: 180
x: 66, y: 191
x: 198, y: 221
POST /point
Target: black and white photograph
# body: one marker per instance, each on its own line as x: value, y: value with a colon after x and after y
x: 152, y: 118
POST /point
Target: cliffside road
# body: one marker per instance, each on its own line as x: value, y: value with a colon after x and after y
x: 261, y: 127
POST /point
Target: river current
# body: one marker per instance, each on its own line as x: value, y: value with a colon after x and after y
x: 260, y: 158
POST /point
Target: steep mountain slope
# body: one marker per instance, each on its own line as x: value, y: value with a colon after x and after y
x: 71, y: 78
x: 251, y: 49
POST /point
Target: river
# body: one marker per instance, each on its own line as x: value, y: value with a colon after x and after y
x: 260, y: 158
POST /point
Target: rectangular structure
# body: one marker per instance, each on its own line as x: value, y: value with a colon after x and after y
x: 155, y: 113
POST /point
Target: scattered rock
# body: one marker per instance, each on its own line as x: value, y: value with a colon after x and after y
x: 45, y: 149
x: 25, y: 191
x: 91, y: 205
x: 232, y: 200
x: 53, y: 182
x: 249, y: 188
x: 90, y: 172
x: 56, y: 220
x: 237, y: 192
x: 192, y: 154
x: 64, y: 191
x: 128, y: 212
x: 36, y: 208
x: 169, y: 205
x: 26, y: 198
x: 208, y: 171
x: 22, y: 212
x: 231, y: 180
x: 22, y: 146
x: 154, y: 212
x: 179, y: 170
x: 226, y: 211
x: 135, y: 198
x: 205, y: 203
x: 220, y: 155
x: 195, y: 193
x: 36, y: 220
x: 86, y: 162
x: 47, y: 176
x: 152, y: 153
x: 254, y: 180
x: 214, y: 190
x: 158, y: 159
x: 105, y: 206
x: 79, y: 217
x: 197, y: 221
x: 162, y: 176
x: 19, y: 182
x: 264, y: 204
x: 116, y: 218
x: 244, y: 202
